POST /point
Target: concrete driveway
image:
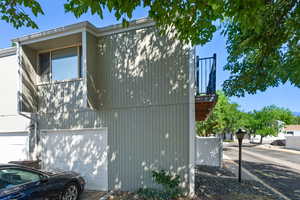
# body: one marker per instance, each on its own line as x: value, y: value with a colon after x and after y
x: 91, y: 195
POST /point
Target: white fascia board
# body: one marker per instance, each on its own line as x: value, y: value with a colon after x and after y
x: 54, y: 33
x: 51, y: 36
x: 8, y: 52
x: 83, y: 26
x: 135, y: 25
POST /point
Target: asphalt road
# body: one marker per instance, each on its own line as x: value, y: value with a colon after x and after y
x: 279, y: 176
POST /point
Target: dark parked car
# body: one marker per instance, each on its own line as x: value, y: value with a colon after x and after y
x: 278, y: 143
x: 24, y: 183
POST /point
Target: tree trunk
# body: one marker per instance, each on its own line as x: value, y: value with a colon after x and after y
x: 261, y: 139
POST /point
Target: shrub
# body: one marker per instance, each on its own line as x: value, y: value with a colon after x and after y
x: 170, y: 186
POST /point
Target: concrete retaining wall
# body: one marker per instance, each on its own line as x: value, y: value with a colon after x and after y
x: 209, y: 151
x: 293, y: 142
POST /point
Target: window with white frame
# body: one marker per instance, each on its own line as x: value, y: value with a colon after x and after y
x: 61, y: 64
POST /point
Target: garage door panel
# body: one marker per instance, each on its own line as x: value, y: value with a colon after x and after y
x: 13, y: 147
x: 82, y: 151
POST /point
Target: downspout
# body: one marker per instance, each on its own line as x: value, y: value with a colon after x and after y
x: 19, y: 104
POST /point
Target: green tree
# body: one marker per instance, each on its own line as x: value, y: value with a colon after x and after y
x: 267, y: 121
x: 296, y: 120
x: 13, y: 12
x: 262, y: 35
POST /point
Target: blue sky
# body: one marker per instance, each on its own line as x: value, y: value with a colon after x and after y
x: 284, y: 96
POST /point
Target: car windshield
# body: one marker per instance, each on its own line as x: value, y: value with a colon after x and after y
x: 14, y: 177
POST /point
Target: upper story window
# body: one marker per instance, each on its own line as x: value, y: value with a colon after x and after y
x: 62, y: 64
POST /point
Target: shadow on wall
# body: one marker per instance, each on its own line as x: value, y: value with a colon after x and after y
x: 81, y: 151
x: 140, y: 68
x: 142, y: 90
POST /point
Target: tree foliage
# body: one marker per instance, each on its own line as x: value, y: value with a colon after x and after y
x: 227, y: 118
x: 268, y: 121
x: 262, y: 35
x: 13, y: 12
x: 264, y: 50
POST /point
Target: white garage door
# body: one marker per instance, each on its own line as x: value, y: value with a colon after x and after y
x: 13, y: 146
x: 83, y: 151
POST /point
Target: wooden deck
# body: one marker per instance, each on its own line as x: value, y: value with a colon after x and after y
x: 204, y: 105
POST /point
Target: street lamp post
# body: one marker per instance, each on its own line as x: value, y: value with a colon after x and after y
x: 240, y: 136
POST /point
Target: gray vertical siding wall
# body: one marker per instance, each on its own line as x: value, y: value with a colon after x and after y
x: 142, y: 93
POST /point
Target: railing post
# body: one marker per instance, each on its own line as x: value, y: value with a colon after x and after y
x: 197, y: 74
x: 215, y: 72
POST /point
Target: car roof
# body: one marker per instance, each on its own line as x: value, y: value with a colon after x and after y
x: 18, y: 166
x: 10, y: 165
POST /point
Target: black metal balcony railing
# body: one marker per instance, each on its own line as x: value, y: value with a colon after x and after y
x: 206, y: 75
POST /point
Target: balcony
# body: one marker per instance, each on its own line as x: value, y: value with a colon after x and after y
x: 206, y: 97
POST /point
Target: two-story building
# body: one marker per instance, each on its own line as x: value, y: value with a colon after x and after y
x: 113, y: 103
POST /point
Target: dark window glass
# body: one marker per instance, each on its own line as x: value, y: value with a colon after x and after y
x: 13, y: 177
x: 44, y: 67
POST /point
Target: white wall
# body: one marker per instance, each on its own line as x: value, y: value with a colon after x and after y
x: 13, y: 146
x: 293, y: 142
x: 10, y: 121
x: 209, y: 151
x: 296, y: 133
x: 83, y: 151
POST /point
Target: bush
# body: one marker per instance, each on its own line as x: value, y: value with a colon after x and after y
x: 170, y: 187
x: 228, y: 140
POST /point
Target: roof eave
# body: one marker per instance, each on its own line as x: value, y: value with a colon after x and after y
x: 79, y: 27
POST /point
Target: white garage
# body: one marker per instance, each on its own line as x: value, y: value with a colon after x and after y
x: 81, y: 150
x: 13, y: 146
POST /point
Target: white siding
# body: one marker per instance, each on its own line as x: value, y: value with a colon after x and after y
x: 10, y: 121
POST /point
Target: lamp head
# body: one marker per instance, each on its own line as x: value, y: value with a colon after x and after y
x: 240, y: 134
